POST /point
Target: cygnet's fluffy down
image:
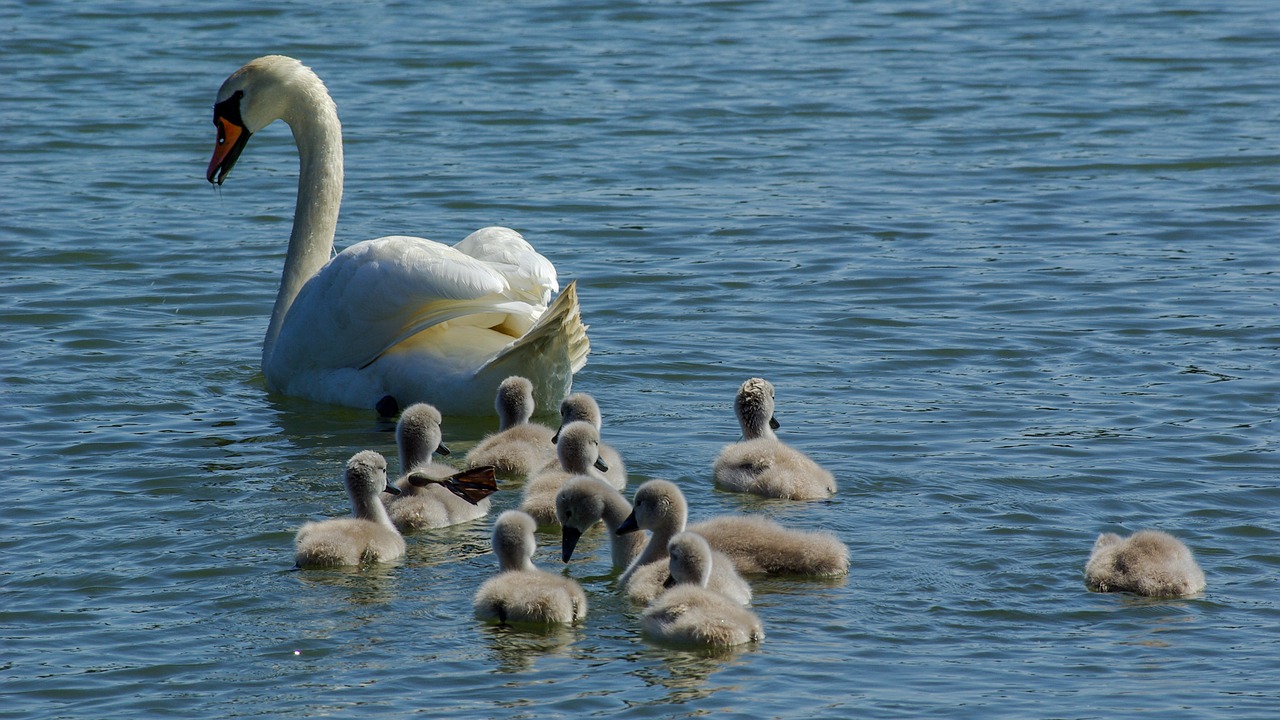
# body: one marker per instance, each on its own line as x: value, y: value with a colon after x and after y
x: 647, y: 582
x: 422, y: 507
x: 1149, y: 562
x: 691, y: 614
x: 581, y: 407
x: 762, y: 464
x: 519, y: 447
x: 757, y: 545
x: 578, y: 449
x: 584, y: 501
x: 521, y: 593
x: 368, y: 537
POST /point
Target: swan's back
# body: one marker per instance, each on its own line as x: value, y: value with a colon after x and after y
x: 368, y: 537
x: 521, y: 593
x: 1149, y: 562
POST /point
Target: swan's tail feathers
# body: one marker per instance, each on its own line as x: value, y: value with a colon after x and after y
x: 557, y: 342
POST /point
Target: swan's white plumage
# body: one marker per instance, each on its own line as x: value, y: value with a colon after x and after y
x: 398, y: 315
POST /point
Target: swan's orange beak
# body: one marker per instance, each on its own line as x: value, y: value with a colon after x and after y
x: 232, y: 137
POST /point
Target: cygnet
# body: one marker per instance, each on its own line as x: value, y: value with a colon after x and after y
x: 1149, y: 562
x: 757, y: 545
x: 368, y: 537
x: 519, y: 447
x: 521, y: 593
x: 761, y: 464
x: 690, y: 613
x: 578, y: 450
x: 424, y: 502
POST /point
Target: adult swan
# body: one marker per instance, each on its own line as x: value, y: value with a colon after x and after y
x: 396, y: 316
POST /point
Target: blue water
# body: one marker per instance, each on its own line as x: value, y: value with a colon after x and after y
x: 1011, y: 267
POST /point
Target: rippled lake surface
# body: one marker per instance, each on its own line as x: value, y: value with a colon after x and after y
x: 1011, y: 266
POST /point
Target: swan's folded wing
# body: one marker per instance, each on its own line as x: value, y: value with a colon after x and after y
x: 379, y: 292
x: 530, y: 276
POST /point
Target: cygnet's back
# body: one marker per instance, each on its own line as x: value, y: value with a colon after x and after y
x: 691, y: 614
x: 520, y: 446
x: 761, y: 464
x: 1149, y: 562
x: 756, y: 544
x: 422, y: 507
x: 521, y: 593
x: 368, y: 537
x: 578, y: 450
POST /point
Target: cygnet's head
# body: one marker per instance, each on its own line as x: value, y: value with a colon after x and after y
x: 514, y: 401
x: 754, y: 407
x: 690, y: 559
x: 579, y: 407
x: 579, y: 505
x: 513, y: 540
x: 659, y: 506
x: 418, y: 434
x: 578, y: 448
x: 366, y: 476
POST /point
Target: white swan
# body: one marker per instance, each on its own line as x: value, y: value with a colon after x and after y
x: 369, y: 537
x: 519, y: 447
x: 1149, y: 562
x: 757, y: 545
x: 762, y: 464
x: 690, y: 613
x: 396, y: 316
x: 579, y: 452
x: 584, y: 501
x: 424, y: 502
x: 582, y: 407
x: 520, y: 592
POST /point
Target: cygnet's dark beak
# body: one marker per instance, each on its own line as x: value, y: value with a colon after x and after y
x: 568, y: 541
x: 601, y: 465
x: 629, y: 525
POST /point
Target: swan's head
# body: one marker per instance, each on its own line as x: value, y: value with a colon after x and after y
x: 659, y: 506
x: 265, y: 90
x: 579, y: 505
x: 754, y: 407
x: 366, y: 476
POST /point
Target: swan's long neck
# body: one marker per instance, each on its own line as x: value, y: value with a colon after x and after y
x: 318, y: 135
